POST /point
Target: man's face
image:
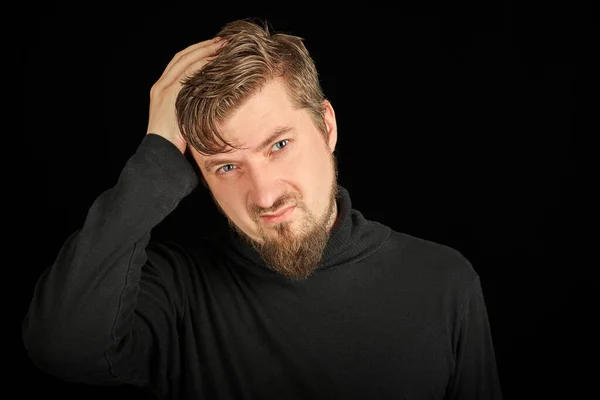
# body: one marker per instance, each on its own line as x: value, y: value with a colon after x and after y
x: 279, y: 189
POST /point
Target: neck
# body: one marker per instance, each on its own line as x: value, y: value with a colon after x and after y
x: 332, y: 216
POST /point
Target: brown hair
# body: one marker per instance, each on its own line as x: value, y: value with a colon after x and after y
x: 251, y: 57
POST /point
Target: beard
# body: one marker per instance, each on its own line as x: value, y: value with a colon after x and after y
x: 294, y: 253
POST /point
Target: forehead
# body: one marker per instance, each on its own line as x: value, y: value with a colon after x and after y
x: 262, y: 113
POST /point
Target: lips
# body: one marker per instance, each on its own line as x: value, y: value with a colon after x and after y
x: 277, y: 213
x: 278, y: 216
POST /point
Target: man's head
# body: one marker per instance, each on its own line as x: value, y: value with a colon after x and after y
x: 263, y: 135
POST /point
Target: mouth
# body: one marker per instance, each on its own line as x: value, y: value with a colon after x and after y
x: 279, y: 216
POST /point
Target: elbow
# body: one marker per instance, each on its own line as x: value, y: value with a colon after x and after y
x: 63, y: 354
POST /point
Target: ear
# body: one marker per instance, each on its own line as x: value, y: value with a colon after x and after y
x: 330, y: 125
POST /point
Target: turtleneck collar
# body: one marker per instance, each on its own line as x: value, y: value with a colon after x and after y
x: 351, y: 238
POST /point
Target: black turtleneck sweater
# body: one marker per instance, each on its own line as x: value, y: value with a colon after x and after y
x: 386, y: 315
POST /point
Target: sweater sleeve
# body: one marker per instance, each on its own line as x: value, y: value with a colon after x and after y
x: 475, y: 374
x: 104, y: 312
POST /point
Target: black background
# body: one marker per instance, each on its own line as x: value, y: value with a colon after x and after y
x: 460, y: 124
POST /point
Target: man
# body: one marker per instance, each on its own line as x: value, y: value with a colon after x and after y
x: 303, y: 298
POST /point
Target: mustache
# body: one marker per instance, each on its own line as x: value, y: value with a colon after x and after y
x: 284, y: 200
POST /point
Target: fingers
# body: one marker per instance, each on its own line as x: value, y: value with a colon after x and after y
x: 193, y: 47
x: 193, y: 67
x: 191, y: 55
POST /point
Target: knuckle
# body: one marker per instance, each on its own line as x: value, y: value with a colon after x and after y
x: 156, y: 89
x: 184, y: 57
x: 178, y: 54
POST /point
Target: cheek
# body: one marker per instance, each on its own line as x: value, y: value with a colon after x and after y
x: 230, y: 201
x: 316, y: 175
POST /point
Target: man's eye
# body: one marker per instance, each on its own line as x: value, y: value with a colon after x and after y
x: 280, y: 145
x: 226, y: 168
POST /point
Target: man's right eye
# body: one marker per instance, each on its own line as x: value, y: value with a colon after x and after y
x: 226, y: 168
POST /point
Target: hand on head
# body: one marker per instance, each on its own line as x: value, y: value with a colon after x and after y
x: 162, y: 118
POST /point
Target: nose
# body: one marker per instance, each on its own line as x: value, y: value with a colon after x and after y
x: 265, y: 186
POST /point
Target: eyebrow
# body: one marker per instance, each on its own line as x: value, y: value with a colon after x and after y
x: 279, y: 131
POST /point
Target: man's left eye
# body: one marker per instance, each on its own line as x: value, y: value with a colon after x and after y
x: 280, y: 145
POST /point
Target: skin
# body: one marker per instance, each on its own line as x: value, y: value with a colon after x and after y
x: 292, y: 172
x: 248, y: 183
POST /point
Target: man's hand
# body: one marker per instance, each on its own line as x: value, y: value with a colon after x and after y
x: 162, y: 119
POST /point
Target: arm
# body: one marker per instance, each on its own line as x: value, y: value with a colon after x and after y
x: 475, y: 373
x: 85, y: 312
x: 104, y: 311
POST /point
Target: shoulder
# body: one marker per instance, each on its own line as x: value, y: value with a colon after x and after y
x: 430, y: 260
